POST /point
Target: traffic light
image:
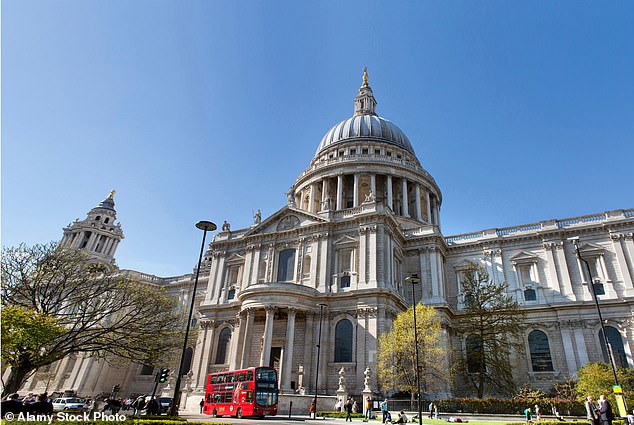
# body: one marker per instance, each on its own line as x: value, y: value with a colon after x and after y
x: 163, y: 375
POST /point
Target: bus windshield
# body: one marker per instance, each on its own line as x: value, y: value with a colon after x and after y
x: 265, y: 387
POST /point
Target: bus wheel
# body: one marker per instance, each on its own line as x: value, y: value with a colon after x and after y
x: 214, y: 414
x: 239, y: 413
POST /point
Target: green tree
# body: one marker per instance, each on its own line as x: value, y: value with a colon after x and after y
x: 596, y: 379
x: 56, y: 303
x: 396, y: 365
x: 493, y: 324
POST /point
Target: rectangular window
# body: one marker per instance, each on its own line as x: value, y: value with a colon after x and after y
x: 286, y: 265
x: 525, y: 273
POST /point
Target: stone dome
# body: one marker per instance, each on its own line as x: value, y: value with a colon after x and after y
x: 366, y: 127
x: 365, y: 124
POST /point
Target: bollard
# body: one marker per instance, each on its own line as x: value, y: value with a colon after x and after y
x: 290, y: 409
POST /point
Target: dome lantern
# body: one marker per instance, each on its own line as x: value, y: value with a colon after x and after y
x: 365, y: 103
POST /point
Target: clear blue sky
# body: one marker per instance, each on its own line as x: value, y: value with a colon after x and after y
x: 521, y: 110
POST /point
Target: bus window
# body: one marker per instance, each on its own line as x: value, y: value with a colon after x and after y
x: 228, y: 397
x: 209, y: 397
x: 250, y: 375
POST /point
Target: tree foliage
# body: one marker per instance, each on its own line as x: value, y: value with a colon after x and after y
x: 493, y: 324
x: 56, y: 303
x: 396, y: 365
x: 596, y: 378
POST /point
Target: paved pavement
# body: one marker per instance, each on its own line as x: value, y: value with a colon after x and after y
x: 299, y: 419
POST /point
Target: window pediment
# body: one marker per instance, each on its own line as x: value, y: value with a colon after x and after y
x: 345, y: 241
x: 524, y: 257
x: 591, y: 250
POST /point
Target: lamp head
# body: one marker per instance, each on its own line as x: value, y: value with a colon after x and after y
x: 206, y: 225
x: 413, y: 279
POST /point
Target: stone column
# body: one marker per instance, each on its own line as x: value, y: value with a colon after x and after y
x: 248, y: 266
x: 373, y: 184
x: 390, y: 197
x: 265, y: 357
x: 217, y: 279
x: 371, y: 252
x: 340, y: 192
x: 433, y: 268
x: 363, y: 252
x: 322, y: 379
x: 246, y: 338
x: 565, y: 286
x: 355, y: 192
x: 287, y: 364
x: 405, y: 200
x: 309, y: 351
x: 311, y: 198
x: 429, y: 218
x: 91, y: 241
x: 324, y: 193
x: 235, y: 343
x: 361, y: 349
x: 569, y: 351
x: 419, y: 215
x: 621, y: 259
x: 205, y: 346
x: 580, y: 342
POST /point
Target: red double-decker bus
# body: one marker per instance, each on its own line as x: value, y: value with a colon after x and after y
x: 240, y: 393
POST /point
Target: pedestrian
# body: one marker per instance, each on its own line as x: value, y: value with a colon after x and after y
x: 202, y: 404
x: 402, y: 418
x: 528, y: 415
x: 384, y: 411
x: 12, y: 405
x: 138, y: 405
x: 42, y: 406
x: 338, y: 405
x: 368, y: 408
x: 538, y: 413
x: 592, y: 411
x: 605, y: 411
x: 312, y: 410
x: 348, y: 407
x: 355, y: 407
x: 431, y: 410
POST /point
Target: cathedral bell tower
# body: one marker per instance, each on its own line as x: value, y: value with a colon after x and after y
x: 98, y: 234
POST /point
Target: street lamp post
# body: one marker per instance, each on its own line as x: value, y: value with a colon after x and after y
x: 414, y: 279
x: 321, y: 314
x: 575, y: 241
x: 205, y: 226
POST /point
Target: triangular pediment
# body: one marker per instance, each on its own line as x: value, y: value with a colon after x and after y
x: 345, y: 240
x: 524, y: 257
x: 464, y: 265
x: 591, y: 249
x: 285, y: 219
x: 235, y: 258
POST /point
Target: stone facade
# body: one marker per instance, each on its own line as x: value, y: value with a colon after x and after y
x: 362, y: 217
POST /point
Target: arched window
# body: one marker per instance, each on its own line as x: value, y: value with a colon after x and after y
x: 343, y: 341
x: 187, y: 362
x: 285, y: 265
x: 223, y: 344
x: 473, y: 345
x: 541, y: 360
x: 616, y: 343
